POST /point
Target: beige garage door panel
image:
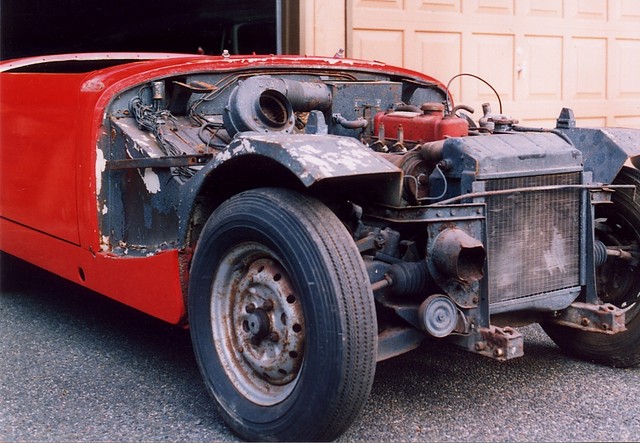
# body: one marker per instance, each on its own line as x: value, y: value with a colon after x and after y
x: 625, y: 58
x: 540, y: 55
x: 370, y: 43
x: 539, y: 68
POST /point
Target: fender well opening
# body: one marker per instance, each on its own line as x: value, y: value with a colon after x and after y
x: 234, y: 176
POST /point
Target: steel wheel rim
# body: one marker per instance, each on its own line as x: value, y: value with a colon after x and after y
x: 257, y: 324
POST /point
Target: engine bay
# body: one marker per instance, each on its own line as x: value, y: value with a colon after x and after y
x: 199, y: 115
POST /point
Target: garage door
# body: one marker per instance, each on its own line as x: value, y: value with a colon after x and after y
x: 540, y: 55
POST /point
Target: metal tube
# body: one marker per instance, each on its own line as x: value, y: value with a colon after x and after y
x: 278, y: 26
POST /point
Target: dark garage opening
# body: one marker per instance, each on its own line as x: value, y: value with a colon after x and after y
x: 41, y: 27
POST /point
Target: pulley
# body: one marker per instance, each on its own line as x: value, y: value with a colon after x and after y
x: 438, y: 315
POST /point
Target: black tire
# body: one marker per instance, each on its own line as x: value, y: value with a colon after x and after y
x: 618, y: 282
x: 311, y: 379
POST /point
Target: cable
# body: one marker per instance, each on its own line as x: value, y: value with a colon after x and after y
x: 545, y: 130
x: 155, y: 122
x: 477, y: 78
x: 216, y: 127
x: 444, y: 192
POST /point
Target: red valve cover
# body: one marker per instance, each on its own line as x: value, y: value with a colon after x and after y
x: 419, y: 127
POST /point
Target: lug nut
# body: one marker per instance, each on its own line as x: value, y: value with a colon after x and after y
x: 267, y: 305
x: 250, y: 308
x: 274, y: 337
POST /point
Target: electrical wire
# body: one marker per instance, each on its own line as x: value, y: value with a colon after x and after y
x: 464, y: 74
x: 215, y: 126
x: 417, y: 183
x: 156, y: 122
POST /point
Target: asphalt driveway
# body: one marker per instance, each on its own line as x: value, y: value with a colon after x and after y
x: 75, y: 366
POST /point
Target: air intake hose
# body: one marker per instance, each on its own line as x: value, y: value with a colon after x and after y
x: 267, y: 104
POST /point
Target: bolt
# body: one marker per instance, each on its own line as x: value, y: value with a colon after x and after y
x: 605, y: 326
x: 250, y: 308
x: 240, y: 350
x: 274, y: 337
x: 498, y: 352
x: 267, y: 305
x: 585, y: 321
x: 481, y: 346
x: 379, y: 242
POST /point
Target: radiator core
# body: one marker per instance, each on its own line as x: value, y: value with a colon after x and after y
x: 533, y: 237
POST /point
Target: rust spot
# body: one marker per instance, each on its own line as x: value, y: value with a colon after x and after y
x: 184, y: 265
x: 494, y: 340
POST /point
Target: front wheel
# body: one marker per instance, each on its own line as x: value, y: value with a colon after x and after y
x: 617, y: 225
x: 282, y: 317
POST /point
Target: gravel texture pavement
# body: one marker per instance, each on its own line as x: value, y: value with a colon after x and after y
x: 75, y: 366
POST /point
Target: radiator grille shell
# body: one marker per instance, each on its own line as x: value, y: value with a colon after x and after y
x: 533, y: 238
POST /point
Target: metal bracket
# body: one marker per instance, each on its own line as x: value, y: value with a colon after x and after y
x: 500, y: 343
x: 605, y: 319
x: 396, y: 341
x: 494, y: 342
x: 169, y: 161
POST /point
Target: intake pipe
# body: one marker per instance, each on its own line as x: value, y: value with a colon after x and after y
x: 267, y: 104
x: 458, y: 256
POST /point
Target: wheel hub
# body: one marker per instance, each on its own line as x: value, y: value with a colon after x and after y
x: 268, y: 320
x: 259, y: 325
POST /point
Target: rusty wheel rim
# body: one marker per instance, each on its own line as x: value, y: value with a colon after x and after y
x: 257, y: 324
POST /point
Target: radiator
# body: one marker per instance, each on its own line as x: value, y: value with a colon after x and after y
x: 533, y: 237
